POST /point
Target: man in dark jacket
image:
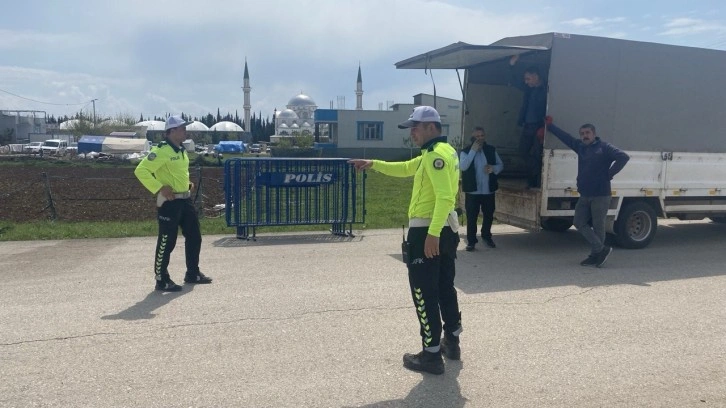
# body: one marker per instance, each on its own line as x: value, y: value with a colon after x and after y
x: 531, y: 114
x: 480, y: 164
x: 597, y: 163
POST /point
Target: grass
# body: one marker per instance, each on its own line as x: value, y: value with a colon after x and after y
x: 386, y: 207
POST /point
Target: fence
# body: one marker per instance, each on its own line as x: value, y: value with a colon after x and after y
x: 304, y: 191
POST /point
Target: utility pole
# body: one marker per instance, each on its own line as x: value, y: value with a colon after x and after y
x: 94, y: 112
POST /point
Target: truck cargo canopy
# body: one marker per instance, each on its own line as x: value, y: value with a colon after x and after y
x: 463, y: 55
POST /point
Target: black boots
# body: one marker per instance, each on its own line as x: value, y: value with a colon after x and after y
x: 197, y: 278
x: 450, y: 347
x: 424, y: 361
x: 432, y: 362
x: 167, y: 285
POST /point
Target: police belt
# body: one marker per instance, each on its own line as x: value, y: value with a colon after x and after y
x: 182, y: 196
x: 422, y: 222
x: 452, y: 220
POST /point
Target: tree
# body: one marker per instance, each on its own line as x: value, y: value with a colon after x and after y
x: 125, y: 118
x: 209, y: 120
x: 305, y: 141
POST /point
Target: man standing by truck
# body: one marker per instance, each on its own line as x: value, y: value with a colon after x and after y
x: 597, y: 163
x: 430, y: 248
x: 480, y: 164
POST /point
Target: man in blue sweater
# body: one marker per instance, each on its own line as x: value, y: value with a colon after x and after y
x: 597, y: 163
x: 534, y: 106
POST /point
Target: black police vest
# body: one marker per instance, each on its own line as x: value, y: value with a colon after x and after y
x: 468, y: 176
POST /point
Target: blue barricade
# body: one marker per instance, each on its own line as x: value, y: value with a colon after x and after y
x: 301, y: 191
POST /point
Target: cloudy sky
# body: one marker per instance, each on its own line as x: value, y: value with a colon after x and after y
x: 157, y: 56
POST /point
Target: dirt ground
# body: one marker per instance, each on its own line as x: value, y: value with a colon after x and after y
x: 109, y: 192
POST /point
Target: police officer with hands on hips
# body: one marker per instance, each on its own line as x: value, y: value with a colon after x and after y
x: 165, y: 172
x: 432, y: 238
x: 480, y: 164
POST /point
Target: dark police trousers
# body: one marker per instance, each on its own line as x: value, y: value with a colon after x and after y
x: 172, y: 215
x: 432, y: 284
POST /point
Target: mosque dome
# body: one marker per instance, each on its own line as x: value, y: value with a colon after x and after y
x: 284, y: 126
x: 226, y: 126
x: 301, y: 100
x: 287, y: 114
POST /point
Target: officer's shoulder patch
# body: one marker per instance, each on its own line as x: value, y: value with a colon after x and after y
x: 151, y: 156
x: 439, y: 164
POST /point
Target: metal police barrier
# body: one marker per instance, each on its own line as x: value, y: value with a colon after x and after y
x: 276, y: 191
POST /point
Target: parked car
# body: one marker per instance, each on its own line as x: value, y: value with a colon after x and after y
x: 54, y: 147
x: 255, y: 148
x: 32, y: 147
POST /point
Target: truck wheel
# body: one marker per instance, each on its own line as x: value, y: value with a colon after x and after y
x: 556, y: 224
x: 636, y: 225
x: 720, y: 220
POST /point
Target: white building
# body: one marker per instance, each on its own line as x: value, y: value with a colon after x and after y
x: 374, y: 134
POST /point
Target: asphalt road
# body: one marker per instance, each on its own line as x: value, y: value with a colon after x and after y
x: 313, y: 320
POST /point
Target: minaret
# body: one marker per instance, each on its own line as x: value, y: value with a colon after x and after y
x: 246, y: 88
x: 359, y: 91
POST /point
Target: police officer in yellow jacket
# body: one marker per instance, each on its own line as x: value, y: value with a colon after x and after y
x: 432, y: 238
x: 165, y: 172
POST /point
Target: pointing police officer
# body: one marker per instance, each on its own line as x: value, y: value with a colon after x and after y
x: 165, y: 172
x: 432, y: 238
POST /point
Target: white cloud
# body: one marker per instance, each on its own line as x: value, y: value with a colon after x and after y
x: 615, y: 20
x: 690, y: 26
x: 682, y: 22
x: 61, y: 93
x: 28, y: 39
x: 591, y: 23
x: 617, y: 34
x: 580, y: 22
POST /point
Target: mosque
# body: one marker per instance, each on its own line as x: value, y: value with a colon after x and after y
x: 298, y: 118
x: 356, y: 132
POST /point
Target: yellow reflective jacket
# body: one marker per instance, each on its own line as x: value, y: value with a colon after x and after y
x: 435, y: 181
x: 165, y: 165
